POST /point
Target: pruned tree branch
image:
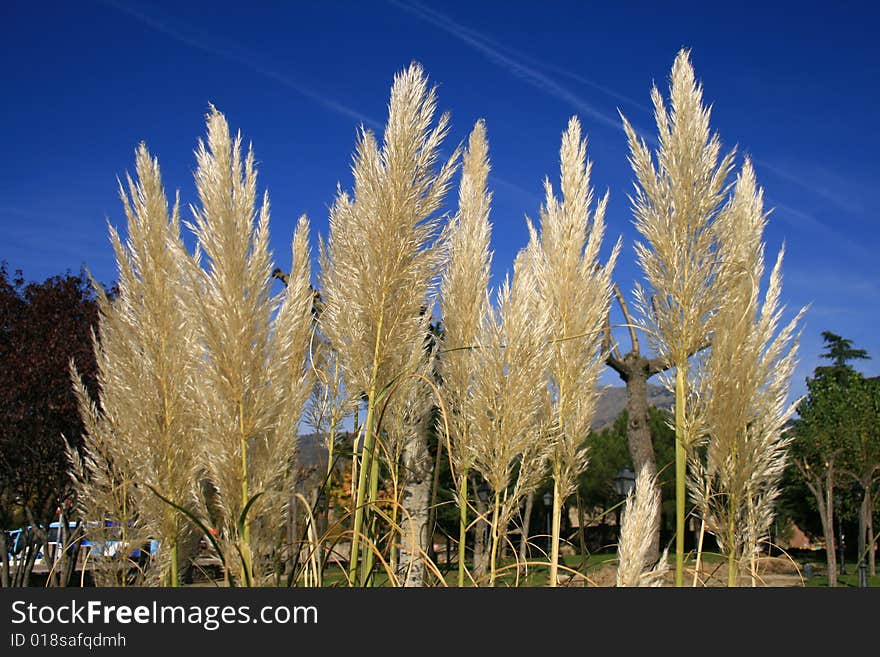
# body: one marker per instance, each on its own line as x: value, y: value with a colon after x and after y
x: 627, y: 316
x: 617, y: 365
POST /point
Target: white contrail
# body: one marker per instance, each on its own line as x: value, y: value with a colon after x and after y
x: 444, y: 22
x: 838, y: 200
x: 517, y: 67
x: 527, y: 68
x: 807, y: 221
x: 246, y: 60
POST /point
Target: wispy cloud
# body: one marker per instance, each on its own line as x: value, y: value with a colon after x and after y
x: 839, y: 200
x: 833, y: 283
x: 517, y: 64
x: 239, y: 55
x: 577, y: 77
x: 518, y: 58
x: 809, y: 222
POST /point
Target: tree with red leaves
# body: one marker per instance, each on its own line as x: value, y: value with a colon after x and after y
x: 42, y: 327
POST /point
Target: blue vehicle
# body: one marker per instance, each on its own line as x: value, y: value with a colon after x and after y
x: 112, y: 542
x: 18, y: 539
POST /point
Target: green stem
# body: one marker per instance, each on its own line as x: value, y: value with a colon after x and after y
x: 392, y: 531
x: 680, y: 472
x: 495, y: 534
x: 355, y: 462
x: 245, y: 538
x: 369, y: 556
x: 462, y: 526
x: 368, y: 456
x: 731, y: 549
x: 554, y: 541
x: 361, y: 492
x: 173, y: 576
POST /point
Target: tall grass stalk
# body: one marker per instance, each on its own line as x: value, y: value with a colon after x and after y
x: 744, y: 388
x: 508, y: 400
x: 380, y: 262
x: 330, y: 402
x: 145, y: 354
x: 464, y: 300
x: 254, y: 378
x: 675, y: 205
x: 574, y: 290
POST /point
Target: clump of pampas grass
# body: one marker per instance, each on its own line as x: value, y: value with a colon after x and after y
x: 507, y: 414
x: 744, y: 387
x: 253, y: 375
x: 574, y: 291
x: 464, y: 303
x: 380, y: 261
x: 676, y: 203
x: 140, y: 436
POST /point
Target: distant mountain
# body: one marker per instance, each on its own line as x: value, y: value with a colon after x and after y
x: 612, y: 402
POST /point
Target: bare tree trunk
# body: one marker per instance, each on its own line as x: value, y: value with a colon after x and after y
x: 71, y: 546
x: 416, y: 502
x: 863, y: 530
x: 635, y: 370
x: 524, y: 536
x: 638, y: 434
x: 822, y: 488
x: 26, y: 564
x: 40, y: 539
x: 827, y: 519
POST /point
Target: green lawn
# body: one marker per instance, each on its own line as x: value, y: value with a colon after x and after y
x: 534, y: 574
x: 598, y: 569
x: 851, y: 579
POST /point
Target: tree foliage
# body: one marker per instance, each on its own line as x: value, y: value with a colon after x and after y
x: 838, y: 412
x: 42, y: 327
x: 839, y: 351
x: 837, y: 440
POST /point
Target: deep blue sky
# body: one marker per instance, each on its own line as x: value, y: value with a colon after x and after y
x: 793, y: 86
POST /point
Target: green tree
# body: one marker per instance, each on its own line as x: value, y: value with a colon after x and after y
x: 861, y: 456
x: 833, y: 436
x: 839, y: 351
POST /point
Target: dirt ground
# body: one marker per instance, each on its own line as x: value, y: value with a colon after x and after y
x: 772, y: 572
